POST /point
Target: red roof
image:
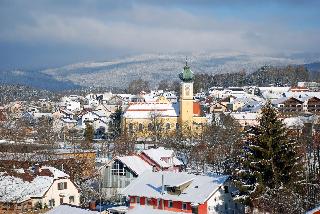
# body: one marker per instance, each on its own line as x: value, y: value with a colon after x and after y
x: 196, y: 109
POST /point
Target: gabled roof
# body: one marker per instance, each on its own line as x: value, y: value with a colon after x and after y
x: 244, y: 115
x: 24, y: 186
x: 196, y: 108
x: 135, y: 163
x: 158, y: 154
x: 284, y: 99
x: 201, y: 187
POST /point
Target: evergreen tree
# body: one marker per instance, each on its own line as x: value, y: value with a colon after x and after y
x: 269, y: 162
x: 88, y: 135
x: 115, y: 123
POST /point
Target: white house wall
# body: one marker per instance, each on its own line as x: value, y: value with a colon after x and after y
x: 223, y: 203
x: 54, y: 193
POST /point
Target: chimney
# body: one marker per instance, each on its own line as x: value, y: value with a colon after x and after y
x: 154, y: 168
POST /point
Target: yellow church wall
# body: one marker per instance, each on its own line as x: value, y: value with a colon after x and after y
x: 140, y: 126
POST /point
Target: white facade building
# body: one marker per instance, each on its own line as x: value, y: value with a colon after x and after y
x: 42, y: 187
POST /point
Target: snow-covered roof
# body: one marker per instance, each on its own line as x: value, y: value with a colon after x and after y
x: 146, y: 110
x: 63, y: 209
x: 158, y: 155
x: 274, y: 89
x: 245, y: 116
x: 303, y: 94
x: 200, y: 189
x: 150, y: 210
x: 136, y: 164
x: 38, y: 115
x: 68, y: 120
x: 56, y: 172
x: 280, y: 100
x: 293, y: 122
x: 16, y: 189
x: 66, y: 111
x: 99, y: 113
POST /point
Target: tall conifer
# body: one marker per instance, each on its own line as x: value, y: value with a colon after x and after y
x: 269, y: 160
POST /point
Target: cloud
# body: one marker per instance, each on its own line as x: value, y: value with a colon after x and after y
x: 147, y: 26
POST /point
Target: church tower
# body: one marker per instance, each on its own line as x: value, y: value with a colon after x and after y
x: 186, y: 96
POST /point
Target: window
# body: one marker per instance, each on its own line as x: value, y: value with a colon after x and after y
x: 51, y: 203
x: 184, y: 206
x: 61, y: 200
x: 118, y: 168
x: 62, y: 185
x: 168, y: 126
x: 132, y: 200
x: 140, y: 127
x: 177, y: 126
x: 71, y: 199
x: 170, y: 204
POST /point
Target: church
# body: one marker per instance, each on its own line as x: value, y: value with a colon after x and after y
x: 146, y: 118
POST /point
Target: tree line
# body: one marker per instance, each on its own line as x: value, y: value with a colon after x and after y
x: 264, y: 76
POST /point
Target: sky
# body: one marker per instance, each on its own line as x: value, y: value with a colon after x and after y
x: 36, y: 34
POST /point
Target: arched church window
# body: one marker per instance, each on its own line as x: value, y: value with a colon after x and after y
x: 168, y: 126
x: 140, y: 127
x: 177, y: 126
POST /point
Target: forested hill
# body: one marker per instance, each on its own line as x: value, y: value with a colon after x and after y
x: 19, y: 92
x: 264, y: 76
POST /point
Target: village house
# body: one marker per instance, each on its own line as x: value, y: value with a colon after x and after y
x: 217, y: 107
x: 311, y: 104
x: 162, y: 159
x: 98, y: 119
x: 68, y: 158
x: 288, y: 105
x: 121, y: 171
x: 41, y: 187
x: 246, y: 118
x: 182, y: 193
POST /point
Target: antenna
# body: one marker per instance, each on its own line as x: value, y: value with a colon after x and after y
x: 186, y: 61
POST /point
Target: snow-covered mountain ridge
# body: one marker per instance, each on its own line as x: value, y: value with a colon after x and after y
x: 156, y: 67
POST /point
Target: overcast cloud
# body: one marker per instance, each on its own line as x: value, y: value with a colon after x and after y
x: 44, y: 33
